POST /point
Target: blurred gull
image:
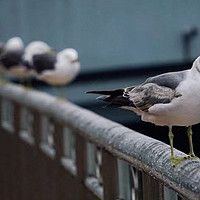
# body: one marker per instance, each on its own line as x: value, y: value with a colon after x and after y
x: 11, y: 56
x: 57, y: 70
x: 61, y: 69
x: 170, y: 99
x: 35, y: 48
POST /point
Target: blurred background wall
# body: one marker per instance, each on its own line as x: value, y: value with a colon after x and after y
x: 120, y: 43
x: 106, y: 33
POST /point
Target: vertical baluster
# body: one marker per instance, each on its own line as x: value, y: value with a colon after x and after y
x: 17, y: 183
x: 58, y: 136
x: 36, y: 131
x: 91, y: 164
x: 3, y: 156
x: 27, y: 154
x: 152, y: 189
x: 80, y: 148
x: 69, y: 149
x: 110, y: 176
x: 137, y: 184
x: 124, y: 180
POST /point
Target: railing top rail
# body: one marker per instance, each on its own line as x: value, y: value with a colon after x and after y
x: 139, y: 150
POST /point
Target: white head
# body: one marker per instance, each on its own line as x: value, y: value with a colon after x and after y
x: 70, y: 54
x: 67, y: 59
x: 35, y: 48
x: 14, y: 44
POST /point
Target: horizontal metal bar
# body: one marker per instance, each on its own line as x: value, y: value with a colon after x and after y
x: 142, y: 152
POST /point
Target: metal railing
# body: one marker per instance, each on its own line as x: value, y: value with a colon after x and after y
x: 52, y: 149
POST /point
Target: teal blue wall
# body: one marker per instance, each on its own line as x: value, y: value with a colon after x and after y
x: 105, y: 32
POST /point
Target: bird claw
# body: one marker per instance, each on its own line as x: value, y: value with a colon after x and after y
x: 62, y: 99
x: 176, y: 161
x: 27, y: 89
x: 194, y: 157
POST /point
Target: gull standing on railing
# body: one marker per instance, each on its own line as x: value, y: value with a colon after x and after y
x: 59, y: 69
x: 34, y: 49
x: 170, y: 99
x: 11, y: 57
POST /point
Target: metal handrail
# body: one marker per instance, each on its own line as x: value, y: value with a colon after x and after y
x: 144, y: 153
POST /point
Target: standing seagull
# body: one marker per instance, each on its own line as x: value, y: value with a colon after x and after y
x: 11, y: 56
x: 57, y: 70
x: 35, y: 48
x: 170, y: 99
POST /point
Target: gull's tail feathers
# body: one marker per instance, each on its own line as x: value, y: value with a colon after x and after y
x: 114, y: 98
x: 107, y: 92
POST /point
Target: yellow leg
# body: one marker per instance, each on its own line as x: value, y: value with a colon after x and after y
x: 3, y: 80
x: 189, y: 133
x: 174, y: 161
x: 191, y: 152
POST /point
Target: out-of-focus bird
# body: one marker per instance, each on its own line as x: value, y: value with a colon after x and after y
x: 57, y: 70
x: 170, y: 99
x: 11, y: 57
x: 35, y: 49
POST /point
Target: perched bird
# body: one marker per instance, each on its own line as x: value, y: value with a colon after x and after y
x: 59, y: 69
x: 11, y: 56
x: 32, y: 50
x: 170, y: 99
x: 35, y: 48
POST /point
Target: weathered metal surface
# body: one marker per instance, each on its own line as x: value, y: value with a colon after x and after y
x: 143, y: 152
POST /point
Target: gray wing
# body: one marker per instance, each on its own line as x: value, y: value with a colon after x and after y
x: 170, y: 80
x: 146, y: 95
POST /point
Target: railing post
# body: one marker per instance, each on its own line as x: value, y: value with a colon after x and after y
x: 110, y: 176
x: 58, y: 137
x: 152, y: 189
x: 37, y: 185
x: 17, y: 182
x: 3, y: 188
x: 137, y: 183
x: 81, y: 160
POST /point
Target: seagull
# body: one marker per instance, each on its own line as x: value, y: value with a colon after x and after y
x: 57, y: 69
x: 32, y: 50
x: 169, y: 99
x: 11, y: 56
